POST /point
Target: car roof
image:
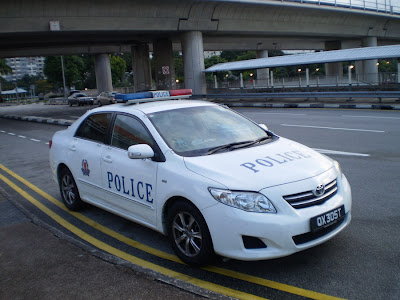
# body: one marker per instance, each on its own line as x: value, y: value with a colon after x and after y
x: 155, y: 106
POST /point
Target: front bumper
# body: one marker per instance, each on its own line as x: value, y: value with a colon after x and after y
x: 284, y: 233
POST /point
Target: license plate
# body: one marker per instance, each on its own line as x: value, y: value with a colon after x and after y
x: 327, y: 219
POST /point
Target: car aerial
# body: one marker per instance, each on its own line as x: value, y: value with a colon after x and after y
x: 105, y: 98
x: 213, y: 181
x: 80, y: 99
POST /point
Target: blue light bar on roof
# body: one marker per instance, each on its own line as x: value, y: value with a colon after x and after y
x: 153, y: 95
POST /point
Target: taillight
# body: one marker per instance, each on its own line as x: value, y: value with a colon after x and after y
x: 50, y: 144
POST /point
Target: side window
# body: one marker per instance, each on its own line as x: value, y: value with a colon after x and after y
x: 94, y: 127
x: 129, y: 131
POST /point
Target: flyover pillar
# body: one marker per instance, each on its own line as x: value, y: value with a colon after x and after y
x: 262, y: 74
x: 141, y: 67
x: 370, y: 67
x: 193, y: 62
x: 333, y: 69
x: 164, y: 64
x: 103, y: 73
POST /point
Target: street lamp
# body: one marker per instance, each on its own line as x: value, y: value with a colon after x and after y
x: 299, y: 70
x: 349, y: 74
x: 63, y: 76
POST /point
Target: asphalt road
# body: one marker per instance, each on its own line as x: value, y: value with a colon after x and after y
x: 362, y: 262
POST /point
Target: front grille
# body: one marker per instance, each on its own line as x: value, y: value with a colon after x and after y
x: 307, y: 199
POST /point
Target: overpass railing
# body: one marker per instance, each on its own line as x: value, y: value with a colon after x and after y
x: 382, y: 6
x: 366, y: 80
x: 263, y: 97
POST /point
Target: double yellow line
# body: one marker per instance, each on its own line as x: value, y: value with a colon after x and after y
x: 143, y: 263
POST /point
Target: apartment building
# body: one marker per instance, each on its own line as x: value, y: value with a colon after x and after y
x: 21, y: 66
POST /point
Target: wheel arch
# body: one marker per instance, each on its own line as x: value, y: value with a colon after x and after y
x: 167, y: 205
x: 60, y: 167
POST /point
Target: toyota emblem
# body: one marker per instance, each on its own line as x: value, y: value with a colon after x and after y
x: 319, y: 190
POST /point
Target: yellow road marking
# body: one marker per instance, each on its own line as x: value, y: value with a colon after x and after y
x: 128, y: 257
x: 162, y: 254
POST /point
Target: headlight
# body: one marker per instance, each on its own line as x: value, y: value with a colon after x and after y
x: 337, y: 167
x: 248, y: 201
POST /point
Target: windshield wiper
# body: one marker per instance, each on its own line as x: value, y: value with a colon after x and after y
x: 230, y: 146
x: 237, y: 145
x: 260, y: 140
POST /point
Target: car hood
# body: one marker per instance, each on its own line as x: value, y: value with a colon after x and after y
x: 279, y: 162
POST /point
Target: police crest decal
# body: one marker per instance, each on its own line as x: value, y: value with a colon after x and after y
x: 85, y: 168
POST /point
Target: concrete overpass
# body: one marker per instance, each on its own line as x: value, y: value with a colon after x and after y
x: 58, y: 27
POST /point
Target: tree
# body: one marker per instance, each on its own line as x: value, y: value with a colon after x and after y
x: 178, y: 65
x: 118, y: 69
x: 231, y: 55
x: 211, y: 61
x: 4, y: 70
x: 74, y: 69
x: 42, y: 86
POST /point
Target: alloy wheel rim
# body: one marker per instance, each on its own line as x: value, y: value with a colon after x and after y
x: 187, y: 234
x: 68, y: 189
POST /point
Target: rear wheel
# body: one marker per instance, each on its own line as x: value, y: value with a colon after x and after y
x: 69, y: 191
x: 189, y: 235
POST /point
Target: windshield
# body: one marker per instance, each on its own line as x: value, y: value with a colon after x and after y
x: 206, y: 130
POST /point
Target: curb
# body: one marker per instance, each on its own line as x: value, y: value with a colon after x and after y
x: 61, y: 122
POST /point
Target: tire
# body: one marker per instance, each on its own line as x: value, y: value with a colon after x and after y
x: 69, y: 191
x: 98, y: 103
x: 70, y: 104
x: 189, y: 235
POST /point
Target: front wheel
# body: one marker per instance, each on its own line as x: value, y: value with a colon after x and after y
x: 189, y: 235
x: 69, y: 191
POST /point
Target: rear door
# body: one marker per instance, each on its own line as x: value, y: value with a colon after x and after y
x: 85, y: 154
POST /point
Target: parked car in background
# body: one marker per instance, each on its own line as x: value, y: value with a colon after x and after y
x: 71, y: 92
x: 105, y: 98
x: 80, y: 99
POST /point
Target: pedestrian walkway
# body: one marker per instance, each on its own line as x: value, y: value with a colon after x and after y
x: 35, y: 263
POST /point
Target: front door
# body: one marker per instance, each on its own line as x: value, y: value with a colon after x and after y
x: 130, y: 184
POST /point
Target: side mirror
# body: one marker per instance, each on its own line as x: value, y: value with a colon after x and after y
x: 140, y: 151
x: 263, y: 126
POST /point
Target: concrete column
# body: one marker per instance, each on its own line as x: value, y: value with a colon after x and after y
x: 262, y: 74
x: 141, y: 67
x: 369, y: 66
x: 333, y: 69
x: 359, y: 66
x: 103, y: 73
x: 164, y: 64
x: 193, y: 62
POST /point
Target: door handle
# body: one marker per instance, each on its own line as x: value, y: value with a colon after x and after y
x: 107, y: 159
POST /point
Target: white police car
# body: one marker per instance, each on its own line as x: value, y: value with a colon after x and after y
x: 212, y: 180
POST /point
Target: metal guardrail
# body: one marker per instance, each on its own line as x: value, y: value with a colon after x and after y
x: 375, y: 94
x: 382, y: 6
